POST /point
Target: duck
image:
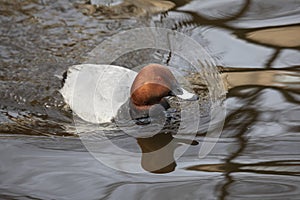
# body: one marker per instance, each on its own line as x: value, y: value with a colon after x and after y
x: 97, y: 93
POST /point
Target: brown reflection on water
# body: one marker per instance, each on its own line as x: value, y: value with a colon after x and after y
x: 247, y: 84
x: 158, y: 152
x: 238, y: 80
x: 286, y: 36
x: 284, y: 167
x: 288, y: 79
x: 237, y: 124
x: 278, y: 38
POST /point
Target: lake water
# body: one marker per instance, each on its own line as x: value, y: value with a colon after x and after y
x: 255, y: 45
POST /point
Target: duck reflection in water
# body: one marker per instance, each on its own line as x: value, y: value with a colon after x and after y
x: 158, y: 152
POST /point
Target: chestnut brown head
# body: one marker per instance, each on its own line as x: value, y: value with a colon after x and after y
x: 152, y: 84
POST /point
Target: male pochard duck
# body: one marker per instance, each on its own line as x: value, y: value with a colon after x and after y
x: 97, y: 92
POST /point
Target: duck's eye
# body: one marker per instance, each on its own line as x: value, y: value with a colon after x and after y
x: 170, y: 93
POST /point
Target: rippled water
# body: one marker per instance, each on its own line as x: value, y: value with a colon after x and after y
x: 255, y: 44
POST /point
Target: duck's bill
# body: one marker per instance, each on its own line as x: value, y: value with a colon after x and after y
x: 185, y: 95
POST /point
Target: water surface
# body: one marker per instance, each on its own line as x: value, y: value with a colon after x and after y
x: 257, y: 156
